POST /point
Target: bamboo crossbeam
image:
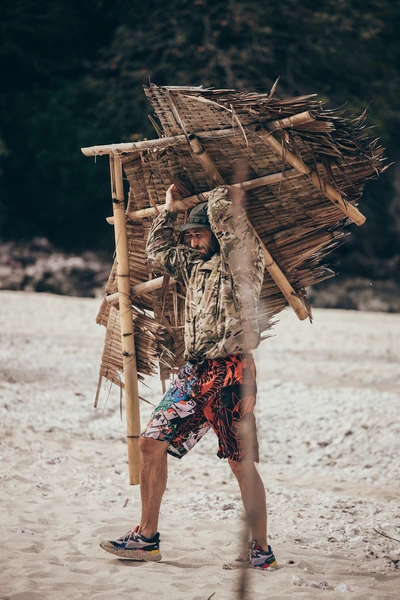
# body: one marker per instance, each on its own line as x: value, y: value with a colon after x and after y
x: 250, y: 184
x: 351, y: 211
x: 141, y: 288
x: 127, y: 332
x: 301, y: 118
x: 273, y: 269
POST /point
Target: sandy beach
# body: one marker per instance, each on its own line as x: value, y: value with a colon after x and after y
x: 329, y: 430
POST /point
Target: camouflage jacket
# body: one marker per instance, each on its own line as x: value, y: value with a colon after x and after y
x: 222, y: 293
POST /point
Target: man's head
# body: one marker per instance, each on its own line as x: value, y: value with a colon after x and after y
x: 203, y: 241
x: 198, y: 228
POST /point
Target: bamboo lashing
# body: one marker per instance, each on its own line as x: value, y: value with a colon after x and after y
x: 273, y: 269
x: 351, y: 211
x: 141, y: 288
x: 300, y: 119
x: 127, y: 331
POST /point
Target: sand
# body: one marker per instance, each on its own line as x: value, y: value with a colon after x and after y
x: 328, y: 406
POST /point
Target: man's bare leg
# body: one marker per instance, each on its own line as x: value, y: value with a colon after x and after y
x: 253, y: 497
x: 153, y: 481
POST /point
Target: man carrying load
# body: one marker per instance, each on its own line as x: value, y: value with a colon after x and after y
x: 222, y: 271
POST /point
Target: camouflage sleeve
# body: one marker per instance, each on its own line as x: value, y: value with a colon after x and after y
x: 163, y: 254
x: 241, y: 250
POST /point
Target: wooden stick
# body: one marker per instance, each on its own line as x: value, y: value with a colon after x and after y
x: 351, y: 211
x: 141, y: 288
x: 250, y: 184
x: 301, y: 118
x: 273, y: 269
x: 127, y: 333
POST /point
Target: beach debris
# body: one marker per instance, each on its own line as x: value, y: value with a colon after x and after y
x: 342, y: 587
x: 385, y: 535
x: 23, y: 530
x: 296, y: 580
x: 322, y: 585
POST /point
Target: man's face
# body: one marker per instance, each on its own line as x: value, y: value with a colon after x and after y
x: 201, y: 241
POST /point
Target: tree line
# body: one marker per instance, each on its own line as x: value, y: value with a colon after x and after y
x: 73, y: 73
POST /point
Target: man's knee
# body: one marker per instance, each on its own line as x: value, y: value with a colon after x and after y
x: 151, y: 448
x: 242, y: 468
x: 237, y: 466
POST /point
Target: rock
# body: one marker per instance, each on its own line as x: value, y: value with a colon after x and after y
x: 38, y: 267
x: 322, y: 585
x: 342, y: 587
x: 357, y: 293
x: 11, y: 278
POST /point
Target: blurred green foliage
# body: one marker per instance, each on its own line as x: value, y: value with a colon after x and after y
x: 73, y: 75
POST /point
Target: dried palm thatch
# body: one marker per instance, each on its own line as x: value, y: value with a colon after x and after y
x: 153, y: 342
x: 304, y: 168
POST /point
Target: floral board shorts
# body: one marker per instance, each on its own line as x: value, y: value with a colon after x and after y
x: 218, y: 394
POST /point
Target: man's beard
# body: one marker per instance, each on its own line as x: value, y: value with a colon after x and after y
x: 209, y: 251
x: 207, y: 255
x: 213, y: 249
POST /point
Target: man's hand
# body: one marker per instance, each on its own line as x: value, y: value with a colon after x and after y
x: 235, y: 194
x: 174, y: 202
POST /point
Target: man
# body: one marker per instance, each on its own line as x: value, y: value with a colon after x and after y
x: 223, y: 272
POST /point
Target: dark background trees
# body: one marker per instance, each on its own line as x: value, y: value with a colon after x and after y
x: 72, y: 74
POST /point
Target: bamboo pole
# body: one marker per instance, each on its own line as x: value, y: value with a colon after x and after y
x: 273, y: 269
x: 351, y: 211
x: 205, y: 160
x: 250, y: 184
x: 141, y: 288
x: 127, y: 333
x: 288, y: 122
x: 283, y: 284
x: 299, y: 119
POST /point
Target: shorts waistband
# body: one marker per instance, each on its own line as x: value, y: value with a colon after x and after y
x: 241, y: 355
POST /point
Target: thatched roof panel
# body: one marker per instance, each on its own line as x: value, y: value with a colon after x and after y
x: 293, y: 216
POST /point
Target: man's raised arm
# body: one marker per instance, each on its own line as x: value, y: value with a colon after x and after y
x: 162, y: 253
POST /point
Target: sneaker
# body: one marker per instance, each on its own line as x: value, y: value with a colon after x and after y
x: 261, y: 559
x: 134, y: 546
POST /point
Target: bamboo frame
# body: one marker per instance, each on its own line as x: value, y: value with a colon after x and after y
x: 351, y: 211
x: 127, y: 331
x: 294, y: 218
x: 272, y: 267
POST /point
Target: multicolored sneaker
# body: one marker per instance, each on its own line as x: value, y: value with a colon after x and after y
x: 134, y: 546
x: 261, y: 559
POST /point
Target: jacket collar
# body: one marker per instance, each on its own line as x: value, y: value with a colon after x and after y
x: 211, y: 264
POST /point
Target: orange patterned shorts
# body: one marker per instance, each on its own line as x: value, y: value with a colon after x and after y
x: 220, y: 394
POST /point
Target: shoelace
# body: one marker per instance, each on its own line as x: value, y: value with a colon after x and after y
x: 130, y: 535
